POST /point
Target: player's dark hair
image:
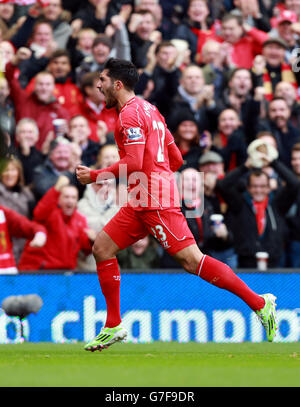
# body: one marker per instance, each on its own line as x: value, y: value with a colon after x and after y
x: 122, y: 70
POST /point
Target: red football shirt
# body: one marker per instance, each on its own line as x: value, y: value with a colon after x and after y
x: 154, y: 187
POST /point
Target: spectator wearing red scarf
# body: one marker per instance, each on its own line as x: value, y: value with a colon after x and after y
x: 255, y: 213
x: 229, y: 141
x: 271, y: 68
x: 246, y: 101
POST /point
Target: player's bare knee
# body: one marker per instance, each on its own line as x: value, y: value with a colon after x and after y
x: 99, y: 253
x: 189, y: 258
x: 190, y: 266
x: 186, y: 263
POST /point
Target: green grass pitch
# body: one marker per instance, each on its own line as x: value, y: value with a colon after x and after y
x: 156, y: 364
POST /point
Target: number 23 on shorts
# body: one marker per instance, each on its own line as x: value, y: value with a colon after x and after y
x: 158, y: 233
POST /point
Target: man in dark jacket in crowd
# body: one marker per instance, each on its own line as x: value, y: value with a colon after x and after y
x: 27, y: 135
x: 256, y: 215
x: 196, y: 97
x: 238, y: 96
x: 58, y: 162
x: 162, y: 73
x: 293, y: 216
x: 141, y: 26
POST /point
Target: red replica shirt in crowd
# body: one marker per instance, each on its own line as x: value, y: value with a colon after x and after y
x: 28, y: 106
x: 65, y: 237
x: 149, y: 154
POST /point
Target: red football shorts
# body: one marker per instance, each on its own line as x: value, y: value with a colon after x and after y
x: 168, y: 226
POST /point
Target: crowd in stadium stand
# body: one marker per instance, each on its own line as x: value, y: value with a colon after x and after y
x: 226, y: 76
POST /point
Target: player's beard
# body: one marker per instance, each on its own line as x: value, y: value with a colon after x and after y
x: 110, y: 99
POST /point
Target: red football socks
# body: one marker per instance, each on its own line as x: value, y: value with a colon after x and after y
x: 220, y: 275
x: 109, y: 278
x: 209, y: 269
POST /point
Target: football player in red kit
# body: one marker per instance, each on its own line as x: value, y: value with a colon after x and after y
x: 148, y: 158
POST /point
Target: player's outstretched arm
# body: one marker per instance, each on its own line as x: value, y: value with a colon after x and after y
x: 132, y: 162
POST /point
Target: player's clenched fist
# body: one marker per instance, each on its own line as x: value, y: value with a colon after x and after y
x: 83, y: 174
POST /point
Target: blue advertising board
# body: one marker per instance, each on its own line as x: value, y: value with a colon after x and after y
x: 164, y: 306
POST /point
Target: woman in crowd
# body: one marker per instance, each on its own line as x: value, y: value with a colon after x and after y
x: 16, y: 196
x: 188, y: 139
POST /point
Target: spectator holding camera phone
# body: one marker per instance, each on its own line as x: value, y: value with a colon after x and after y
x: 207, y: 224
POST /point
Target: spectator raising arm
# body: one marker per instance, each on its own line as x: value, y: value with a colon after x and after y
x: 17, y: 94
x: 67, y: 230
x: 23, y: 34
x: 12, y: 225
x: 19, y: 226
x: 50, y: 200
